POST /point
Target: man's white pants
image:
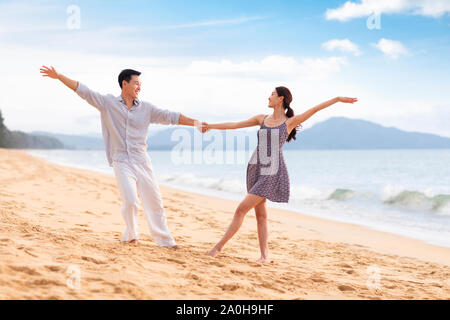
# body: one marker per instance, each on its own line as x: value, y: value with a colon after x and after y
x: 135, y: 179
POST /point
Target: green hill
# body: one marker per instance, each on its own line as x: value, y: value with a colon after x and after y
x: 22, y: 140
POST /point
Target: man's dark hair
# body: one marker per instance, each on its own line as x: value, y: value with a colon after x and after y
x: 126, y: 75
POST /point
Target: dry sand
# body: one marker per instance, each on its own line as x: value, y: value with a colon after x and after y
x: 55, y: 220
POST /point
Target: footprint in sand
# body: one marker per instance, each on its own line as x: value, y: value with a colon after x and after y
x: 94, y: 279
x: 255, y: 264
x: 347, y: 268
x: 45, y: 282
x: 359, y: 245
x: 212, y: 225
x: 192, y: 276
x: 271, y: 286
x: 53, y: 268
x: 350, y: 271
x: 28, y: 251
x: 80, y: 230
x: 90, y: 259
x: 390, y: 286
x: 344, y: 288
x: 233, y: 271
x: 4, y: 241
x: 25, y: 269
x: 176, y: 261
x: 344, y: 265
x: 217, y: 264
x: 229, y: 287
x: 318, y: 279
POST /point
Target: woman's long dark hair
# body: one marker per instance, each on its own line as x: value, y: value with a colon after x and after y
x: 284, y: 92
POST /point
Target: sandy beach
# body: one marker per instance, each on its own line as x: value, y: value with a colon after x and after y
x: 55, y: 219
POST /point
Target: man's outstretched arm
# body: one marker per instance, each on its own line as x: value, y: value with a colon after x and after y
x: 163, y: 116
x: 95, y: 99
x: 186, y: 121
x: 51, y: 73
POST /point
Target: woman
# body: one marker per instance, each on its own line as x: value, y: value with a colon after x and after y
x: 267, y: 176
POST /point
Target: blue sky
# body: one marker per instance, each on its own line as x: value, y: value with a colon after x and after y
x: 400, y: 72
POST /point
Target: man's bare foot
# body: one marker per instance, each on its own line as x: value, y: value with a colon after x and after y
x: 263, y: 260
x: 214, y: 252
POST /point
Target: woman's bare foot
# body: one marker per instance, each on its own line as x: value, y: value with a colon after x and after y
x: 263, y: 260
x: 134, y: 241
x: 214, y: 252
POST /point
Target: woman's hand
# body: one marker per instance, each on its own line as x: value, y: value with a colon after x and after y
x: 347, y: 100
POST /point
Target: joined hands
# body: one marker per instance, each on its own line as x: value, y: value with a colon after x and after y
x: 202, y: 127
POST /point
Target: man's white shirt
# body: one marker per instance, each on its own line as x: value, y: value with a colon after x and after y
x: 124, y: 130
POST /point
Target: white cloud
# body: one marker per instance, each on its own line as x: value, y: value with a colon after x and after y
x: 391, y: 48
x: 270, y: 67
x: 210, y: 23
x: 344, y: 45
x: 364, y: 8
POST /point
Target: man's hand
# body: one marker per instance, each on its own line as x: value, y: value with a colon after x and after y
x: 49, y: 72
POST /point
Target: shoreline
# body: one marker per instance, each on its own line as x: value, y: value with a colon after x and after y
x: 53, y: 215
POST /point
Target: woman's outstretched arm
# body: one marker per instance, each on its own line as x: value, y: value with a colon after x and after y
x: 253, y: 121
x: 298, y: 119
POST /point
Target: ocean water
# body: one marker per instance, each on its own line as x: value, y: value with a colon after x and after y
x: 404, y: 192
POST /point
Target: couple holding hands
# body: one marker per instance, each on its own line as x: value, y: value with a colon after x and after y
x: 125, y: 120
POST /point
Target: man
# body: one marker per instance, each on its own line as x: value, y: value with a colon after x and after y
x: 125, y: 121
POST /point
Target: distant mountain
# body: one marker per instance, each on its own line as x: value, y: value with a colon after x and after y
x: 95, y: 142
x: 345, y: 133
x: 76, y: 142
x: 21, y: 140
x: 334, y: 133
